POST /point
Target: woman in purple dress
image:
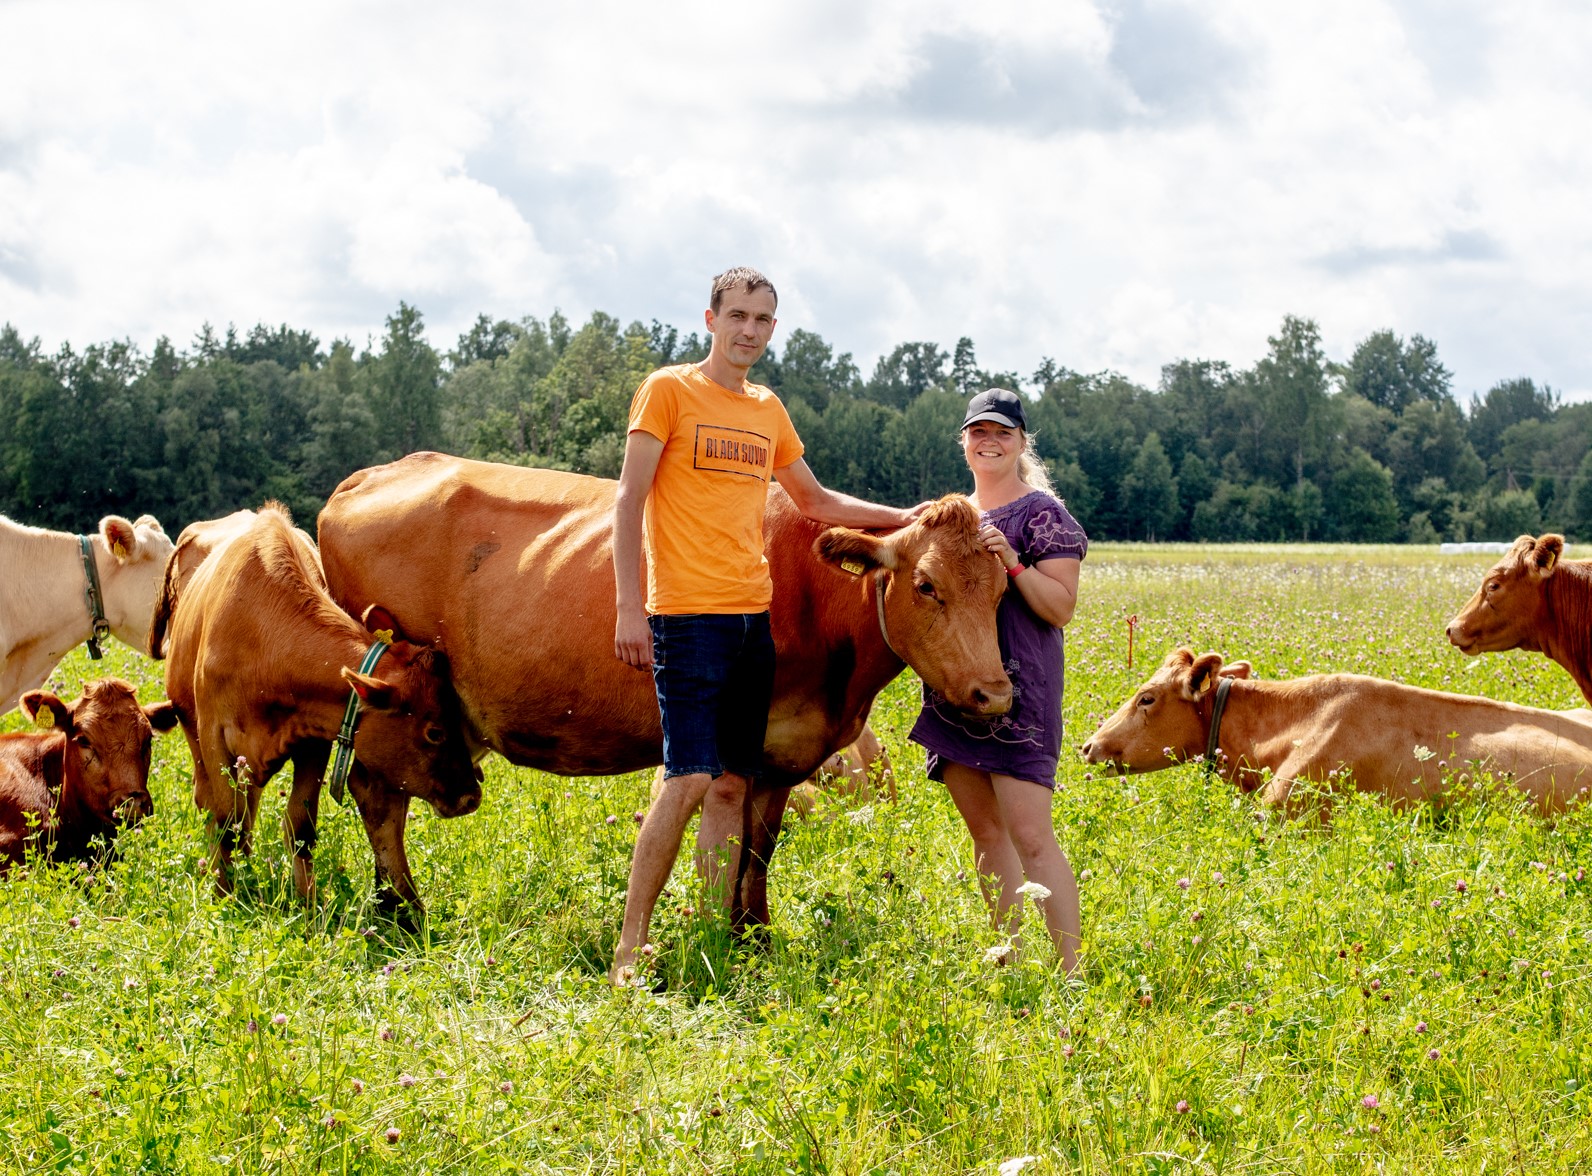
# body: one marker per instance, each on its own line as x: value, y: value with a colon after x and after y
x: 1001, y: 772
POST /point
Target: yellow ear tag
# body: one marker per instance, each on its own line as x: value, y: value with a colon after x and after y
x: 119, y: 550
x: 44, y: 717
x: 1552, y: 559
x: 383, y: 635
x: 852, y: 566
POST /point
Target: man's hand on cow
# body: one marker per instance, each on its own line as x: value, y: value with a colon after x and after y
x: 995, y: 542
x: 912, y: 512
x: 633, y: 639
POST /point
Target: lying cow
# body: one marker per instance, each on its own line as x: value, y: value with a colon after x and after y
x: 68, y: 788
x: 44, y: 593
x: 1402, y: 741
x: 194, y: 546
x: 512, y: 570
x: 1533, y: 599
x: 260, y: 663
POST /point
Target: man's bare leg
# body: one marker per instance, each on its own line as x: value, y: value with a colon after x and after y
x: 657, y: 846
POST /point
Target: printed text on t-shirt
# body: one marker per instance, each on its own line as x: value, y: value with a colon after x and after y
x: 731, y: 451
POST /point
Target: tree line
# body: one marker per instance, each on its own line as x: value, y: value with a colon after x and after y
x: 1378, y: 449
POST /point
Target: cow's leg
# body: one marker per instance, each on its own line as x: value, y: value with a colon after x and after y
x: 303, y: 810
x: 764, y: 813
x: 385, y: 812
x: 222, y: 793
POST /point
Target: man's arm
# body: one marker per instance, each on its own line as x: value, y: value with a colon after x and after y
x: 837, y: 510
x: 632, y: 638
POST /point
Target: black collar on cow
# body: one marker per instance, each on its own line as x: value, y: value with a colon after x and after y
x: 101, y: 628
x: 344, y: 759
x: 1211, y: 741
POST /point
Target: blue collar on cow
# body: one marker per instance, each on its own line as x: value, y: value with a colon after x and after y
x: 101, y: 628
x: 344, y: 759
x: 1214, y: 739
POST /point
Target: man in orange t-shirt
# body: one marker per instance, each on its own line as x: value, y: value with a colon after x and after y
x: 702, y: 445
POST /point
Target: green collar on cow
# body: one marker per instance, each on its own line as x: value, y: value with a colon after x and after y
x: 344, y: 759
x: 1212, y: 741
x: 101, y: 628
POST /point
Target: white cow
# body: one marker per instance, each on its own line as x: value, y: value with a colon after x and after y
x: 44, y: 609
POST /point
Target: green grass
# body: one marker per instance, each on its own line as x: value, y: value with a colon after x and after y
x: 1273, y: 995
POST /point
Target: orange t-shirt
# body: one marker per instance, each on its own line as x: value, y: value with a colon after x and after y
x: 704, y: 515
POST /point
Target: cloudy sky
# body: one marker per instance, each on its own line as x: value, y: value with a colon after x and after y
x: 1111, y: 183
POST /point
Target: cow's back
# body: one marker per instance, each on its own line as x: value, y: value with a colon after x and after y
x: 510, y: 571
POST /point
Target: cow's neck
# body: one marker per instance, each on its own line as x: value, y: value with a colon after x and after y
x: 1567, y: 633
x: 1242, y: 750
x: 48, y: 615
x: 72, y: 823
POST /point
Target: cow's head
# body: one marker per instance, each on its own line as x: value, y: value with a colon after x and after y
x: 131, y: 558
x: 105, y: 770
x: 1166, y: 721
x: 941, y: 586
x: 411, y: 730
x: 1505, y: 611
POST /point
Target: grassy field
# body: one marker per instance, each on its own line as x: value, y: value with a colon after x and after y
x: 1403, y: 993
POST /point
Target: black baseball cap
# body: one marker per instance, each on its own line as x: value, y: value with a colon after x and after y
x: 997, y: 404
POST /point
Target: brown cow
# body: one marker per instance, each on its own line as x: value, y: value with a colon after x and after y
x: 1405, y: 742
x: 72, y: 785
x: 44, y: 609
x: 260, y: 664
x: 194, y: 546
x: 1533, y: 599
x: 512, y: 569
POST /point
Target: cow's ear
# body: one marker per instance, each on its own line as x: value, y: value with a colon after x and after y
x: 1237, y: 669
x: 854, y: 552
x: 1545, y: 553
x: 119, y: 536
x: 162, y: 716
x: 378, y: 621
x: 373, y: 692
x: 1202, y: 676
x: 46, y: 710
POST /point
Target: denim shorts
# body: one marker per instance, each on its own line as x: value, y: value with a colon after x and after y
x: 714, y: 674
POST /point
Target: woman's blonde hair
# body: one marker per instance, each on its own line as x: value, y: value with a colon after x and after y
x: 1031, y: 469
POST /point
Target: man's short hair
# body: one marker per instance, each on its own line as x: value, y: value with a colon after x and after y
x: 746, y: 278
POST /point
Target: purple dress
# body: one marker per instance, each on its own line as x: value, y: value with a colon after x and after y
x: 1025, y: 742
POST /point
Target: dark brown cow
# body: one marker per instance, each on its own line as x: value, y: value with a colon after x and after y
x: 260, y: 663
x: 1533, y: 599
x: 512, y: 570
x: 1404, y: 742
x: 73, y: 784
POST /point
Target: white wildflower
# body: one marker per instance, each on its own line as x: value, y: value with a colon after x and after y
x: 1015, y: 1165
x: 862, y: 816
x: 1034, y: 890
x: 999, y: 955
x: 1423, y: 753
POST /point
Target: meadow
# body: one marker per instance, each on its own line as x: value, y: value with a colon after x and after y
x: 1395, y: 992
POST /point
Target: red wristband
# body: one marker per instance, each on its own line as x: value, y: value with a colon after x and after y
x: 1014, y: 572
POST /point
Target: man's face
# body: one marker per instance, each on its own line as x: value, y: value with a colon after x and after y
x: 743, y: 326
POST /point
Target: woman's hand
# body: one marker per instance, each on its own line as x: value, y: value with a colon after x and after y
x: 995, y: 542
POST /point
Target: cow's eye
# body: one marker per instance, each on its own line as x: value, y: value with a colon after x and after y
x: 1146, y: 699
x: 435, y: 735
x: 925, y: 588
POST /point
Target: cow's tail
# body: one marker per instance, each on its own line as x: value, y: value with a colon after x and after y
x: 165, y: 605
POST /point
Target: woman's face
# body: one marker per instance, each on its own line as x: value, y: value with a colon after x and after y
x: 991, y: 447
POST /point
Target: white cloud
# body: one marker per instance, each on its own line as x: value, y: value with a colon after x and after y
x: 1115, y: 185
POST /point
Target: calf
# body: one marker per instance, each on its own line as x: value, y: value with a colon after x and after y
x: 259, y: 663
x: 1405, y: 742
x: 75, y: 782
